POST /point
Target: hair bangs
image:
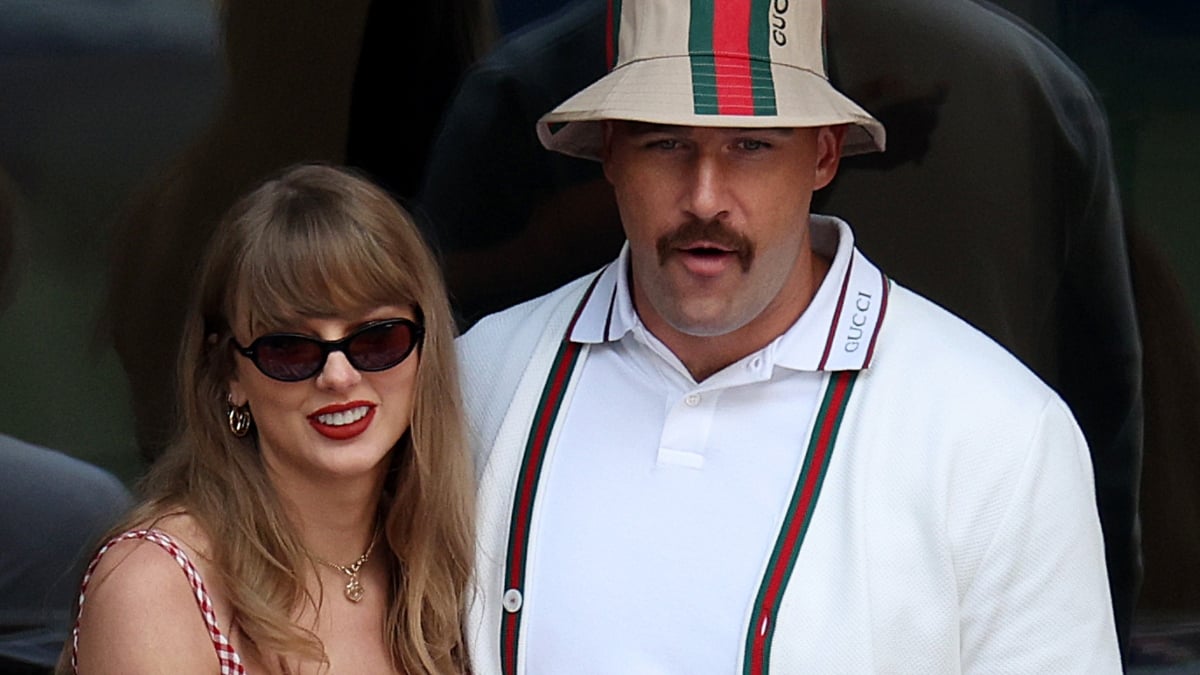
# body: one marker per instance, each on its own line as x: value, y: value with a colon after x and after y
x: 308, y: 264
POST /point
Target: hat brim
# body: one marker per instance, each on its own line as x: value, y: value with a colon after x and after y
x: 659, y: 91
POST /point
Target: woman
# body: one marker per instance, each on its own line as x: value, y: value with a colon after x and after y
x: 313, y: 513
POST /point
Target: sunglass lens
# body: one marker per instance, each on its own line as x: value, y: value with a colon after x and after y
x: 288, y: 357
x: 381, y: 347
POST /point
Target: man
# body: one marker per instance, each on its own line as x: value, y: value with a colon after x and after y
x: 1043, y: 269
x: 740, y: 447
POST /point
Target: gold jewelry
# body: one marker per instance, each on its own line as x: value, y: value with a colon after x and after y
x: 239, y: 419
x: 354, y: 589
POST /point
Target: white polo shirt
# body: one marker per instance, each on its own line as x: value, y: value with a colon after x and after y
x: 666, y: 495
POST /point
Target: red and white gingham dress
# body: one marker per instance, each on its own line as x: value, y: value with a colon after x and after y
x: 231, y: 663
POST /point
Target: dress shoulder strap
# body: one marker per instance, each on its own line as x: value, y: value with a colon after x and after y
x: 231, y: 663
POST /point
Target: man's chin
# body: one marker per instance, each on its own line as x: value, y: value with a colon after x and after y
x: 704, y: 325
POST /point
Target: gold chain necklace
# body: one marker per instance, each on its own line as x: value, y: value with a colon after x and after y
x: 354, y: 588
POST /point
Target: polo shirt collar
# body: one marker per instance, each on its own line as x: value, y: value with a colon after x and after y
x: 837, y: 331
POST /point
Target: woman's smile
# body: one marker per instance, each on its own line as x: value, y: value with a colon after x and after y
x: 343, y: 421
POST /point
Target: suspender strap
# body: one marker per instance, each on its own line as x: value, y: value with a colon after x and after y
x: 527, y: 484
x: 803, y: 502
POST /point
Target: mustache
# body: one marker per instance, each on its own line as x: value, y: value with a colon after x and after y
x: 713, y: 231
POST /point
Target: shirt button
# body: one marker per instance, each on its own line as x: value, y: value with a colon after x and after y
x: 692, y: 400
x: 756, y: 363
x: 512, y: 600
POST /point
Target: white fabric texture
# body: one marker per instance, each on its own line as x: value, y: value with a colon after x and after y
x: 956, y: 530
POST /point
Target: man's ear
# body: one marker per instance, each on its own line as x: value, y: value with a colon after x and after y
x: 829, y: 154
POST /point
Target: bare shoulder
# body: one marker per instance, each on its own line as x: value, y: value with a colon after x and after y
x: 140, y: 614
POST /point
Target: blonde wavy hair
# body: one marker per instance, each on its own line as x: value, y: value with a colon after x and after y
x: 319, y: 241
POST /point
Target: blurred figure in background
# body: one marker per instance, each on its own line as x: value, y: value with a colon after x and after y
x: 289, y: 71
x: 97, y: 96
x: 304, y: 84
x: 412, y: 57
x: 53, y: 508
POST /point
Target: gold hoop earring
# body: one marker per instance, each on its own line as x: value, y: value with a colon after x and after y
x: 239, y: 419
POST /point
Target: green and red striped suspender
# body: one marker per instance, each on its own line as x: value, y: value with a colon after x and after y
x: 527, y: 483
x: 803, y: 502
x: 787, y: 545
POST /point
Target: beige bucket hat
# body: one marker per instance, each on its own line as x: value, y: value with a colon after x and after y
x: 711, y: 63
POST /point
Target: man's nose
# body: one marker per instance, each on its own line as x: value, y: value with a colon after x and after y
x: 706, y: 198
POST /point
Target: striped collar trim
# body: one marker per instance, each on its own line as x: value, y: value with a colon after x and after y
x: 837, y: 331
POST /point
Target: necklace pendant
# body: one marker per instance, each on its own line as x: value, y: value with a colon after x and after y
x: 354, y: 590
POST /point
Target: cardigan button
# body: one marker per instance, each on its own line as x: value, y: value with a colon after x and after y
x: 512, y: 601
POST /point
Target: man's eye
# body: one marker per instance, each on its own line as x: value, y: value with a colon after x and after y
x: 752, y: 144
x: 663, y: 144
